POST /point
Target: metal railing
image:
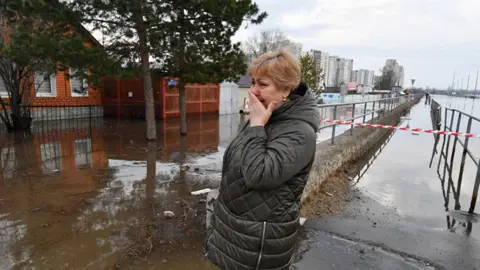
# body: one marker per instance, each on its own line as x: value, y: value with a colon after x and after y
x: 455, y: 121
x: 367, y: 111
x: 50, y: 117
x: 46, y: 118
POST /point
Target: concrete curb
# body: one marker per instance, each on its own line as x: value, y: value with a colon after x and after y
x: 347, y: 149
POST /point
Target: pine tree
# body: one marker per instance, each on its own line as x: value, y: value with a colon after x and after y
x: 195, y: 42
x: 188, y: 39
x: 129, y: 27
x: 311, y: 75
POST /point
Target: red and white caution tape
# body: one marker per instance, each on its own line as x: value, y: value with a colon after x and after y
x: 440, y: 132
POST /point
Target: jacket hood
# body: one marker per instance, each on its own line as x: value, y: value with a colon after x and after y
x: 301, y: 105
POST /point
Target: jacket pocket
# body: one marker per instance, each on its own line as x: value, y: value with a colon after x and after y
x: 264, y: 227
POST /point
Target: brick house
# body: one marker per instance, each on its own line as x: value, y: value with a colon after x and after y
x: 60, y: 91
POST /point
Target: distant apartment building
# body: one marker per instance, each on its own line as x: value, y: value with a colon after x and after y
x: 339, y: 71
x: 345, y: 67
x: 363, y: 77
x: 354, y: 76
x: 321, y: 61
x: 332, y: 71
x: 370, y: 78
x: 367, y: 77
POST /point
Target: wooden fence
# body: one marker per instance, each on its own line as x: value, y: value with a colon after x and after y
x: 125, y: 98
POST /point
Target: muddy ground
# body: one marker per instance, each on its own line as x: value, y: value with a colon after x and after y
x: 330, y: 199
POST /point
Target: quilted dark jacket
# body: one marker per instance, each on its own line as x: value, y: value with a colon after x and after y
x: 264, y: 173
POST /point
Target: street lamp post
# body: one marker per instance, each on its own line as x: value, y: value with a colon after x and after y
x: 468, y: 81
x: 476, y: 81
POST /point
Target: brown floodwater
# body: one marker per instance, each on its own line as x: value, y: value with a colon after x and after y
x: 78, y: 195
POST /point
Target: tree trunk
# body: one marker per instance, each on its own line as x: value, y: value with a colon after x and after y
x: 151, y: 173
x: 147, y: 85
x: 183, y: 111
x: 181, y: 85
x: 149, y: 101
x: 18, y: 120
x: 141, y: 28
x: 21, y: 123
x: 183, y: 149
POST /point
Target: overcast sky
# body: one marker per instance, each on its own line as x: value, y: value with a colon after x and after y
x: 430, y: 38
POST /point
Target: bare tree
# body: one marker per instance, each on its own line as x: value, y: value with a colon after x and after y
x: 266, y: 41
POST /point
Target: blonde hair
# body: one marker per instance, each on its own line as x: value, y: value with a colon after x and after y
x: 280, y: 67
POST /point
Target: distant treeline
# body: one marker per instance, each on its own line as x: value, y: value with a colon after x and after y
x: 445, y: 91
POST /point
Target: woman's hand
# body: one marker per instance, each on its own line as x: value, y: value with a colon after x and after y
x: 258, y: 114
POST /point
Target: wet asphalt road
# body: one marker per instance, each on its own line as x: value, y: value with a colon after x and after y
x: 396, y: 218
x: 328, y: 251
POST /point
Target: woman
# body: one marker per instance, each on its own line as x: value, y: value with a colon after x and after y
x: 265, y: 169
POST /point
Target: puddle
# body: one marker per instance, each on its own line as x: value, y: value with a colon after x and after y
x: 94, y: 197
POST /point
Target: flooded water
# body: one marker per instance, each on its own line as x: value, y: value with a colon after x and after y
x: 468, y: 105
x: 89, y: 194
x: 83, y: 195
x: 428, y: 202
x: 94, y: 197
x: 411, y: 186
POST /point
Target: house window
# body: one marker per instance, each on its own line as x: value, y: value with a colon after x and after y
x: 83, y: 153
x: 51, y: 157
x: 78, y: 86
x: 45, y: 86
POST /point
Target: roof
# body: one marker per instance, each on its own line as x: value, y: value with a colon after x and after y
x: 87, y: 33
x: 245, y: 81
x: 82, y: 29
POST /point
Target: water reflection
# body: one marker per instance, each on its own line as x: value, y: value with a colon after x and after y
x: 455, y: 174
x: 399, y: 178
x: 456, y: 217
x: 75, y: 199
x: 43, y: 185
x: 367, y: 162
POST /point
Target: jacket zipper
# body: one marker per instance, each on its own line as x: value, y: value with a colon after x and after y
x: 261, y: 245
